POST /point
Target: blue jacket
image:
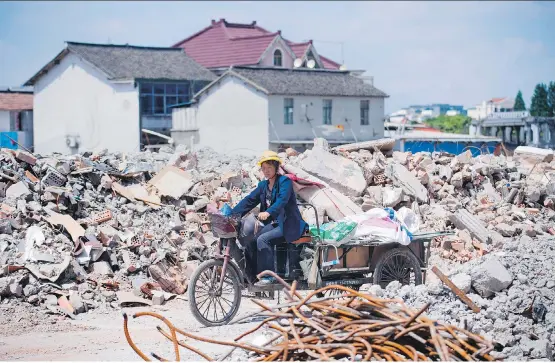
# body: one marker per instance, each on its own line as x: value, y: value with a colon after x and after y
x: 283, y: 208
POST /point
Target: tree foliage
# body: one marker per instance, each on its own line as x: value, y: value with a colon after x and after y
x: 519, y: 102
x: 453, y: 124
x: 539, y: 106
x: 551, y: 98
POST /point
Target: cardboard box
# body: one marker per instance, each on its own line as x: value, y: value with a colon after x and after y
x: 356, y: 257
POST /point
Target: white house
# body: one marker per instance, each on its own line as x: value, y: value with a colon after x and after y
x: 251, y: 109
x: 101, y: 96
x: 490, y: 107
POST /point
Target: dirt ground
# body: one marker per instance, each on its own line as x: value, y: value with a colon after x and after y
x: 98, y: 336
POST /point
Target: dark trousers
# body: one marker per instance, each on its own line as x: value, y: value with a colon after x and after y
x: 265, y: 241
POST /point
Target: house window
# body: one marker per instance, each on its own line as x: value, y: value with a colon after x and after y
x: 365, y: 112
x: 288, y: 111
x: 277, y: 58
x: 326, y: 110
x: 157, y: 98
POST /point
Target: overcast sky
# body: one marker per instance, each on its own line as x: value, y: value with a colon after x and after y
x: 418, y: 52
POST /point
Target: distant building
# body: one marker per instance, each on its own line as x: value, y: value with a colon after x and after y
x: 421, y: 113
x: 435, y: 109
x: 16, y: 118
x: 492, y: 106
x: 102, y: 95
x: 224, y: 44
x: 248, y: 110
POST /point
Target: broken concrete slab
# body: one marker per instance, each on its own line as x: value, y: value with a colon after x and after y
x: 336, y: 205
x: 463, y: 219
x: 172, y: 181
x: 505, y: 229
x: 77, y: 303
x: 490, y: 277
x: 533, y: 154
x: 341, y: 173
x: 101, y: 268
x: 375, y: 198
x: 127, y: 297
x: 407, y: 181
x: 462, y: 281
x: 17, y: 190
x: 391, y: 196
x: 16, y: 289
x: 158, y: 297
x: 53, y: 271
x: 385, y: 144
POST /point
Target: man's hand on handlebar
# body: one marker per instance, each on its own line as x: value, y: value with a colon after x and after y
x: 262, y: 216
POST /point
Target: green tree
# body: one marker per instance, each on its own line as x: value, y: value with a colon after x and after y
x: 539, y: 106
x: 551, y: 98
x: 519, y: 102
x: 452, y: 124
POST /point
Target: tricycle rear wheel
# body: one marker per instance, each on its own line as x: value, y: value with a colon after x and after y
x: 398, y: 264
x: 204, y: 300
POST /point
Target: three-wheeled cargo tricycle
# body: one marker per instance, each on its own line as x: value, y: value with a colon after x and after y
x: 215, y: 286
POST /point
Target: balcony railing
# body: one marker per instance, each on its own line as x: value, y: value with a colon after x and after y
x: 511, y: 114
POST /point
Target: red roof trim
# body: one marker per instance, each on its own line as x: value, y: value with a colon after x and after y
x: 196, y: 34
x: 270, y: 35
x: 218, y: 45
x: 326, y: 59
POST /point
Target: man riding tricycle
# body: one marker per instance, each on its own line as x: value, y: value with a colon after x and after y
x: 276, y: 239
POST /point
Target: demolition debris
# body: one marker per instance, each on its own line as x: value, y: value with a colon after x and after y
x: 103, y: 230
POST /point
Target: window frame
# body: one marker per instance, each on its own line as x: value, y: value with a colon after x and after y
x: 288, y: 110
x: 177, y: 92
x: 278, y: 54
x: 364, y: 107
x: 327, y: 109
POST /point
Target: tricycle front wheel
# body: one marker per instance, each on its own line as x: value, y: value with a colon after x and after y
x: 209, y: 305
x: 398, y: 264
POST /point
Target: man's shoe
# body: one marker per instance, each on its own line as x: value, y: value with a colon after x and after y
x: 265, y: 281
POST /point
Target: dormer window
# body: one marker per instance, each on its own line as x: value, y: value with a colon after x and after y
x: 277, y: 58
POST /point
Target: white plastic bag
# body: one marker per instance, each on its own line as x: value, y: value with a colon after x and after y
x: 377, y: 224
x: 410, y: 219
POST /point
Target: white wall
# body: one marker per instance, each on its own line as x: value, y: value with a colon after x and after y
x: 286, y: 58
x: 233, y: 118
x: 342, y: 107
x: 75, y: 98
x: 4, y: 121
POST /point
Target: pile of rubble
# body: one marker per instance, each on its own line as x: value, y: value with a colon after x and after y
x: 501, y: 208
x: 514, y: 289
x: 100, y: 230
x: 486, y: 198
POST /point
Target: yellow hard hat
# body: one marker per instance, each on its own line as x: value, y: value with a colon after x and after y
x: 267, y: 156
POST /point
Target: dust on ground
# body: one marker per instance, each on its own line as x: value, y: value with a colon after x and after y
x: 99, y: 336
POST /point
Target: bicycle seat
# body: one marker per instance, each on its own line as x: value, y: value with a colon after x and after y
x: 305, y: 238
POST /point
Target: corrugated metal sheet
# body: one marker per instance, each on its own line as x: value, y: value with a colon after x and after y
x: 5, y: 141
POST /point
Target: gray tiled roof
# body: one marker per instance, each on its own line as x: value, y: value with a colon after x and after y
x: 309, y: 82
x: 123, y: 62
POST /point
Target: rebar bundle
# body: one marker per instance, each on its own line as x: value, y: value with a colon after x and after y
x: 350, y: 325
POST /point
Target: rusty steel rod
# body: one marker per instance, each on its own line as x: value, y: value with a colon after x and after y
x: 352, y: 325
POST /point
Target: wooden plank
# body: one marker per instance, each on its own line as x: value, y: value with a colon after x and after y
x: 460, y: 294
